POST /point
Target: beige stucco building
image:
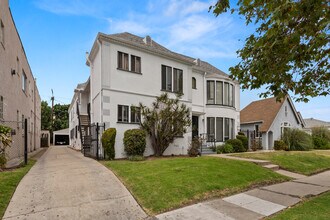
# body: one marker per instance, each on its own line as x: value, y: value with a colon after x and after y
x: 19, y: 96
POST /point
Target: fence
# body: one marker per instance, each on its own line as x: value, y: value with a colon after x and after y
x: 19, y: 136
x: 96, y: 150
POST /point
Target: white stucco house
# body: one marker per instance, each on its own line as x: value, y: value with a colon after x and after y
x: 265, y: 120
x: 126, y: 70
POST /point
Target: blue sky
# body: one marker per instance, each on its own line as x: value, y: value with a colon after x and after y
x: 57, y: 33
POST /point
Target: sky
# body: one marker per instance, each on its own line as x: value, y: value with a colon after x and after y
x: 56, y: 35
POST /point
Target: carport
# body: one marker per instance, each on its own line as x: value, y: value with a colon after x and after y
x: 61, y: 137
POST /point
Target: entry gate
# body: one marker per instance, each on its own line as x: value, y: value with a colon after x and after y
x: 96, y: 150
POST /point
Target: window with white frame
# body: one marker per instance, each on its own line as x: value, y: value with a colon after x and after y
x: 220, y: 129
x: 220, y: 93
x: 135, y: 64
x: 167, y: 78
x: 24, y: 79
x: 177, y: 80
x: 123, y: 113
x: 1, y: 107
x: 122, y: 60
x: 135, y: 114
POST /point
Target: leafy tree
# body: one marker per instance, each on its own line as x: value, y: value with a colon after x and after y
x: 165, y: 120
x: 61, y: 117
x: 45, y: 116
x: 289, y: 51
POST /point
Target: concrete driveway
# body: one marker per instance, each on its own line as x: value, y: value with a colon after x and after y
x: 65, y: 185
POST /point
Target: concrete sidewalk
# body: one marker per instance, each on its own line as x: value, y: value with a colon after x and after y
x: 65, y: 185
x: 255, y: 204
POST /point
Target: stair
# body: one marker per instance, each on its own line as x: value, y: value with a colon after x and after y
x: 84, y: 120
x: 272, y: 167
x: 207, y: 150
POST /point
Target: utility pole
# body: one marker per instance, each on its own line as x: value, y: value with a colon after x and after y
x: 52, y: 117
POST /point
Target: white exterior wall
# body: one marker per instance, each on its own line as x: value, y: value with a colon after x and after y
x: 73, y: 123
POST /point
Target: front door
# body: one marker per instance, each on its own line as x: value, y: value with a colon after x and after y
x: 194, y: 126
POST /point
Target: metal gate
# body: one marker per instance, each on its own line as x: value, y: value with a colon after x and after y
x: 96, y: 150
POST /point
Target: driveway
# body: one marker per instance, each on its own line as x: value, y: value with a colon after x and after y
x: 64, y: 184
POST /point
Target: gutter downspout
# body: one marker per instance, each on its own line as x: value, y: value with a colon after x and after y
x: 101, y: 92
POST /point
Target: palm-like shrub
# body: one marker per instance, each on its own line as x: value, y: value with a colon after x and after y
x: 297, y: 139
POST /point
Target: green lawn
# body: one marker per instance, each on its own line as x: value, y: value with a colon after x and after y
x: 304, y: 162
x: 315, y: 208
x: 163, y: 184
x: 8, y: 183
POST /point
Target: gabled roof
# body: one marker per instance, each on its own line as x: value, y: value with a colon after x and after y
x: 264, y: 111
x: 312, y: 122
x: 132, y: 40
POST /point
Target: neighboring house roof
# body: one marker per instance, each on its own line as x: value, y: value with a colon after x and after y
x: 265, y: 111
x: 312, y: 122
x: 152, y: 46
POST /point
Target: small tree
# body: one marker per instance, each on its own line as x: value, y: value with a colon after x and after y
x: 108, y: 142
x: 5, y: 141
x: 165, y: 120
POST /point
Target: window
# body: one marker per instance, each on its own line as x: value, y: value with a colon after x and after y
x: 226, y: 129
x: 231, y: 98
x: 135, y: 114
x: 286, y: 111
x: 219, y: 93
x: 219, y: 134
x: 135, y: 64
x: 210, y: 128
x: 76, y: 136
x: 194, y: 84
x: 166, y: 78
x: 2, y: 33
x: 226, y: 94
x: 123, y: 113
x: 177, y: 80
x: 256, y: 129
x: 122, y: 60
x: 1, y: 107
x: 210, y: 92
x: 232, y: 128
x: 24, y: 81
x: 17, y: 66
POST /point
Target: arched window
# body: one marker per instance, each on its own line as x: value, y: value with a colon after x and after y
x: 194, y: 83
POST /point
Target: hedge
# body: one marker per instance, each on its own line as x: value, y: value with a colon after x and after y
x: 108, y: 142
x: 134, y: 142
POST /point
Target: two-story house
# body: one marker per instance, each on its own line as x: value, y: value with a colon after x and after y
x: 126, y: 70
x: 19, y: 96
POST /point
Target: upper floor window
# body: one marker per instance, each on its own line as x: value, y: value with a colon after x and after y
x: 1, y: 107
x: 135, y: 114
x: 194, y: 84
x: 177, y: 80
x: 220, y: 93
x: 122, y: 60
x: 166, y: 78
x: 123, y: 113
x: 135, y: 64
x: 24, y: 79
x: 2, y: 33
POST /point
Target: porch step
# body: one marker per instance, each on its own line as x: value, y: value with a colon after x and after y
x: 207, y: 151
x: 272, y: 167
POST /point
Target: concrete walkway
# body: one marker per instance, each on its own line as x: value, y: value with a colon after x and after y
x: 65, y: 185
x: 255, y: 204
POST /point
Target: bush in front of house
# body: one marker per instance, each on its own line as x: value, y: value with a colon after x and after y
x: 321, y: 138
x: 244, y: 140
x: 297, y: 140
x: 280, y: 145
x: 5, y: 140
x: 195, y: 145
x: 236, y: 144
x: 225, y: 149
x: 108, y: 142
x: 241, y: 133
x: 134, y: 142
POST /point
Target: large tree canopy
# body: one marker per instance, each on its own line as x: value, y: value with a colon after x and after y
x: 60, y: 117
x: 289, y: 51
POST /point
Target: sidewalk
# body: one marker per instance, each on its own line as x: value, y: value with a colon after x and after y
x: 255, y: 204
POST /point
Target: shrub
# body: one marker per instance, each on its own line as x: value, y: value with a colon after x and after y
x: 108, y: 142
x: 236, y: 144
x: 193, y: 150
x: 296, y: 139
x: 321, y: 138
x: 225, y: 148
x: 244, y: 140
x: 134, y: 142
x: 5, y: 140
x: 256, y: 144
x: 280, y: 145
x: 136, y: 158
x: 241, y: 133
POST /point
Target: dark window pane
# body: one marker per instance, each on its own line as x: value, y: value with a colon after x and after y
x: 135, y: 114
x: 219, y: 125
x: 120, y: 110
x: 178, y: 80
x: 210, y: 92
x: 163, y: 77
x: 225, y: 94
x: 168, y: 78
x: 194, y: 83
x: 210, y: 128
x: 226, y: 129
x: 219, y: 93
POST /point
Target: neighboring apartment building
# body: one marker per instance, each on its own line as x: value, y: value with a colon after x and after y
x: 19, y: 96
x: 265, y: 120
x: 126, y: 69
